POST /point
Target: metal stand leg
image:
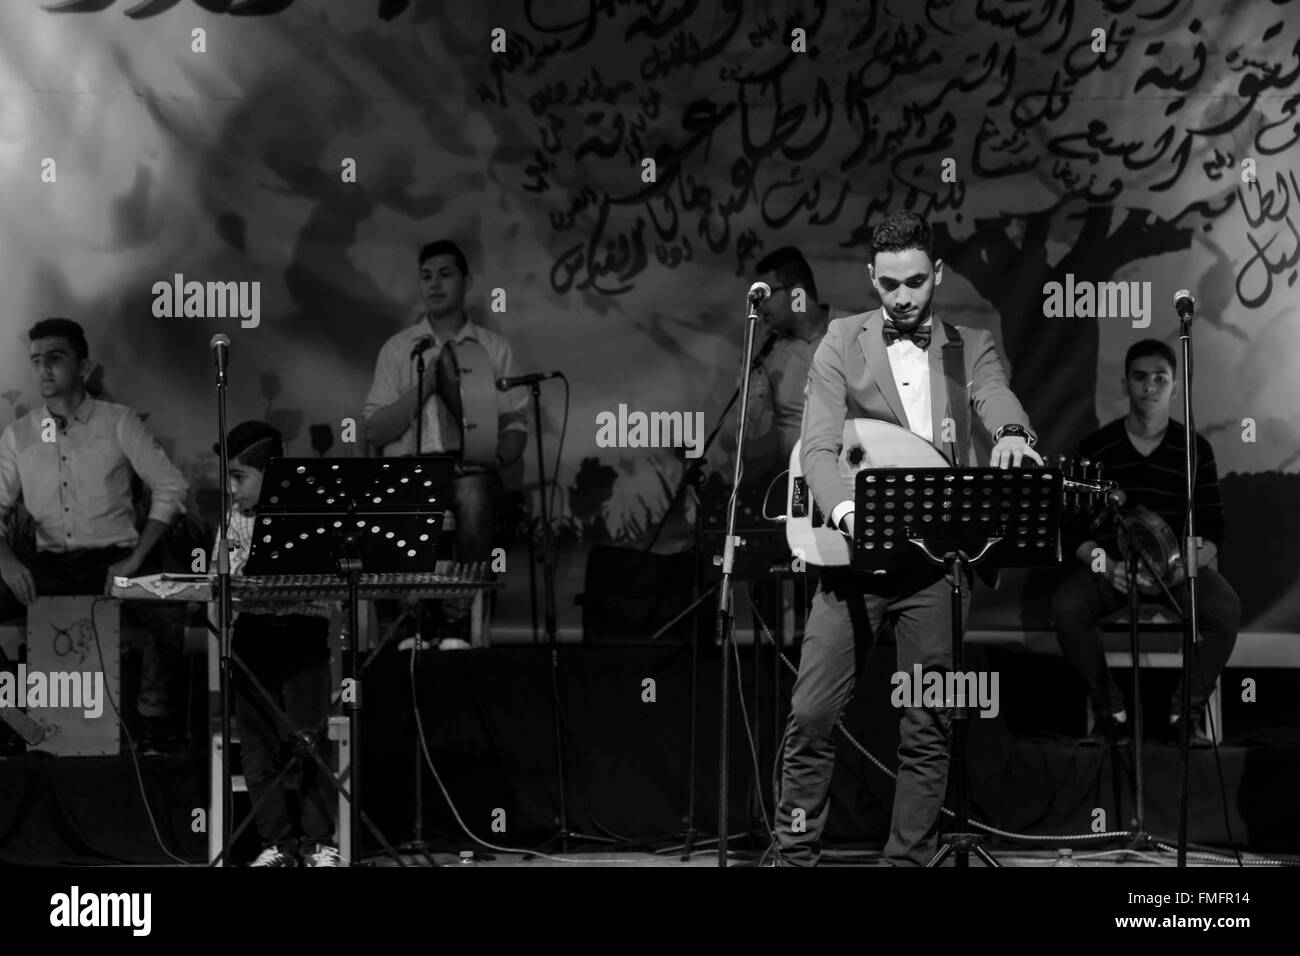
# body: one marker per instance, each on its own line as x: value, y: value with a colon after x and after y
x: 960, y: 841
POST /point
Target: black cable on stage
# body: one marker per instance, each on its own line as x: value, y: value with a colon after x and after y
x: 130, y: 740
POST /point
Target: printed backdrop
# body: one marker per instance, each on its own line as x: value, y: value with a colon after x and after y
x: 1123, y: 140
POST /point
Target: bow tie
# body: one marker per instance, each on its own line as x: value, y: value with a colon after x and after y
x: 920, y: 336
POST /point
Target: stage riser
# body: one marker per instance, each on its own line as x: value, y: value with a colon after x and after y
x: 488, y: 720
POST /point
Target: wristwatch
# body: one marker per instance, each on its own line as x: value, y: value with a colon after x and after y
x: 1019, y: 431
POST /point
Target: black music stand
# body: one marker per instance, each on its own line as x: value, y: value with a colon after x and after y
x: 906, y: 518
x: 343, y: 517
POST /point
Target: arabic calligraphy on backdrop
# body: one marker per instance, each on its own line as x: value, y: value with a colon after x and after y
x: 863, y: 118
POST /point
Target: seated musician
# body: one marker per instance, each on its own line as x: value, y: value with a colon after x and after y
x: 285, y: 647
x: 392, y: 404
x: 71, y: 461
x: 1144, y: 453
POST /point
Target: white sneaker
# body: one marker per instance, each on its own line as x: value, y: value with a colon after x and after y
x: 323, y: 855
x: 408, y: 644
x: 274, y: 856
x: 453, y: 644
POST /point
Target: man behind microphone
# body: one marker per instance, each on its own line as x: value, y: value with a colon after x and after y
x: 794, y: 320
x: 392, y: 404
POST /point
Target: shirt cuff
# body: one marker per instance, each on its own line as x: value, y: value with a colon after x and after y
x: 165, y: 511
x: 839, y: 511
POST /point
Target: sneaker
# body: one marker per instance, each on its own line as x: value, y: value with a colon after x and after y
x: 322, y: 854
x: 453, y: 644
x: 1198, y: 736
x: 274, y: 856
x: 408, y: 644
x: 1107, y: 730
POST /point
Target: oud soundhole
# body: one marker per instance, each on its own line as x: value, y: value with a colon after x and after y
x: 856, y: 456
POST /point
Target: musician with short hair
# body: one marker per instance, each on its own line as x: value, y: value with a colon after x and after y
x: 898, y: 364
x: 1143, y: 452
x: 285, y: 648
x: 71, y: 461
x: 392, y: 403
x: 796, y: 318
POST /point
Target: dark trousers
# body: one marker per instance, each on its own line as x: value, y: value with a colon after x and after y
x: 86, y: 572
x: 848, y: 612
x: 290, y: 657
x: 1083, y: 598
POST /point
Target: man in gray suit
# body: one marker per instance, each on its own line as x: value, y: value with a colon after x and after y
x: 899, y: 364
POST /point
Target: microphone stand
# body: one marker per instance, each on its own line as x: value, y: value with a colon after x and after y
x: 418, y: 843
x: 224, y: 618
x: 692, y: 476
x: 1191, y: 618
x: 563, y: 833
x: 726, y: 620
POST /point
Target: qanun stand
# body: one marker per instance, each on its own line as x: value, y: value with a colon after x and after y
x: 341, y: 518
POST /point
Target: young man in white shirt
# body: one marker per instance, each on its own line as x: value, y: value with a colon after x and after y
x: 392, y: 404
x: 71, y: 461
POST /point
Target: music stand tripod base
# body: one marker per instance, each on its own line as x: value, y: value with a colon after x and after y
x: 910, y: 518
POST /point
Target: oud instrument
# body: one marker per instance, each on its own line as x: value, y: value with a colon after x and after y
x: 868, y: 443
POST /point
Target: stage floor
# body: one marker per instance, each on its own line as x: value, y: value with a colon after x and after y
x: 1117, y: 860
x: 486, y: 717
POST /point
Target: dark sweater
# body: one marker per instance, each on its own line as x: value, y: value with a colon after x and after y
x: 1155, y: 481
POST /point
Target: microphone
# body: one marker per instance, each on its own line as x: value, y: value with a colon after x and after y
x: 505, y: 384
x: 1184, y: 303
x: 759, y: 291
x: 220, y: 346
x: 422, y: 344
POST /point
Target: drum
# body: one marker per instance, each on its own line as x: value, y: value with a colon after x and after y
x: 470, y: 394
x: 1154, y: 540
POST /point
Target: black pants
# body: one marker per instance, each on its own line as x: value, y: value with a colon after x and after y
x: 290, y: 657
x: 1084, y: 598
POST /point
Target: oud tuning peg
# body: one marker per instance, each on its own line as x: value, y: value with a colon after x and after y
x: 1084, y: 465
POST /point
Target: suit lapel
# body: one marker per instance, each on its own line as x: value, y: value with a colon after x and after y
x: 938, y: 384
x: 872, y: 343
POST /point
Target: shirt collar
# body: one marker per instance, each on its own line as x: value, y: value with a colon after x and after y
x: 467, y: 331
x: 82, y: 414
x: 929, y: 322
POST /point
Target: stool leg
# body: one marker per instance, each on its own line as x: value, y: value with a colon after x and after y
x: 1215, y: 711
x: 214, y: 800
x: 340, y: 731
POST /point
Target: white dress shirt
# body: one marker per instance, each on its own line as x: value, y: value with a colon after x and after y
x: 77, y: 487
x: 395, y: 374
x: 911, y: 366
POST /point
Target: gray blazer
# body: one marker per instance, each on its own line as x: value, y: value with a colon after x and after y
x: 851, y: 377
